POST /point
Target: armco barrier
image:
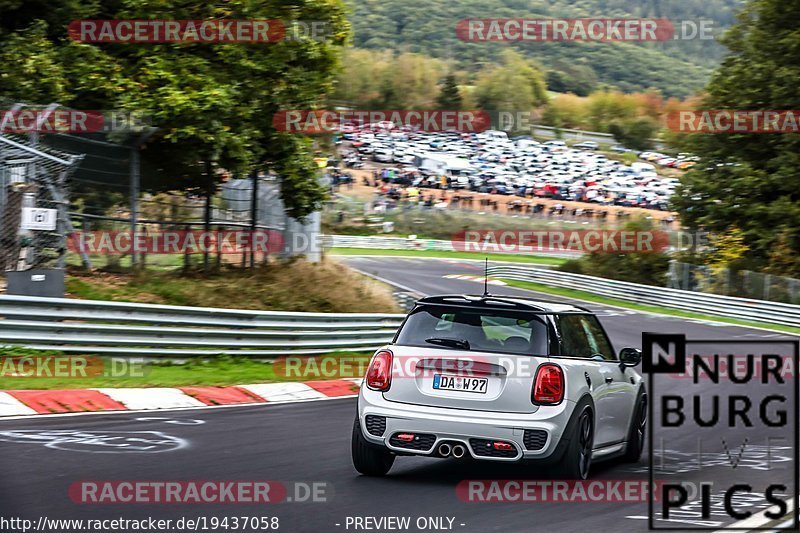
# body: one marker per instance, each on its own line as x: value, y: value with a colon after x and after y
x: 98, y: 327
x: 581, y: 135
x: 384, y: 243
x: 400, y: 243
x: 697, y: 302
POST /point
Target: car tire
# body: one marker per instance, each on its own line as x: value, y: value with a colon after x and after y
x: 636, y: 432
x: 577, y: 459
x: 369, y: 459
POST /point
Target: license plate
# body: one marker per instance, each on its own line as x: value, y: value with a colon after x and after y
x: 460, y: 383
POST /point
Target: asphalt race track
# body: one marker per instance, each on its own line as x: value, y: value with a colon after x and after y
x: 309, y: 442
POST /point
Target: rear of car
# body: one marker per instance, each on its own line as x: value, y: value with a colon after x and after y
x: 482, y: 377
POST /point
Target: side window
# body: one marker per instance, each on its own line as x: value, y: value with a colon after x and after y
x: 573, y: 337
x: 582, y: 336
x: 597, y: 337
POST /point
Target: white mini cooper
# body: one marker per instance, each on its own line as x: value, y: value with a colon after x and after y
x: 500, y: 379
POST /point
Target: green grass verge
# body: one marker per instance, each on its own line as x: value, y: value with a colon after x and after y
x: 123, y: 262
x: 201, y: 371
x: 589, y: 297
x: 285, y: 286
x: 515, y: 258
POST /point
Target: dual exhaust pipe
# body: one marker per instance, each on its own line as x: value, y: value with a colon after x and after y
x: 457, y: 450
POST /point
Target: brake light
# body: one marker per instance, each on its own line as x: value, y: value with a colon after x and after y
x: 379, y: 374
x: 548, y: 387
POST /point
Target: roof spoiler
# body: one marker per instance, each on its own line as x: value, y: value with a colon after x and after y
x: 493, y: 302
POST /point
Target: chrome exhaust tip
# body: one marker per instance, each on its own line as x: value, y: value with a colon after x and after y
x: 444, y: 449
x: 459, y: 451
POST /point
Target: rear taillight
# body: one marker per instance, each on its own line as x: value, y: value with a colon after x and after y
x: 379, y: 374
x: 548, y: 387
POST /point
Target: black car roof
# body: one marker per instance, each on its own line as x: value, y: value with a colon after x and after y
x: 518, y: 303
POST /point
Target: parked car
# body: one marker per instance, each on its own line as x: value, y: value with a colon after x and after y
x: 558, y: 144
x: 483, y: 157
x: 364, y: 148
x: 500, y: 379
x: 383, y: 155
x: 586, y: 145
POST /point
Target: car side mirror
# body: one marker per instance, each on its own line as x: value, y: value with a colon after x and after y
x: 630, y: 356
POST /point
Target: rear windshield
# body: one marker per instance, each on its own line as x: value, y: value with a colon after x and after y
x: 475, y: 329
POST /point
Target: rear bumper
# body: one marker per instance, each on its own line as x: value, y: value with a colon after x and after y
x: 459, y: 426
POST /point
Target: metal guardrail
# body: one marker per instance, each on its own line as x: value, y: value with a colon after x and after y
x: 583, y: 135
x: 551, y: 129
x: 406, y: 300
x: 401, y: 243
x: 384, y: 243
x: 697, y: 302
x: 98, y: 327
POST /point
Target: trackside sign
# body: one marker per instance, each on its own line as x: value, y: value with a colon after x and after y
x: 723, y: 441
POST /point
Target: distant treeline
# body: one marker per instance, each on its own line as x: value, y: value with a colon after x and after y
x: 676, y: 68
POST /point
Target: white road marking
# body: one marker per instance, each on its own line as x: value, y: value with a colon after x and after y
x: 151, y: 398
x: 284, y: 391
x: 392, y: 283
x: 479, y: 279
x: 760, y: 520
x: 10, y: 406
x: 180, y: 422
x: 129, y: 412
x: 81, y: 440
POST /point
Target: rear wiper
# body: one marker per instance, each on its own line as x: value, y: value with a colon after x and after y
x: 445, y: 341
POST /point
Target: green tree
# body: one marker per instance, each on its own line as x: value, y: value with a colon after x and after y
x: 513, y: 85
x: 449, y: 95
x: 782, y: 257
x: 212, y: 104
x: 635, y: 134
x: 580, y: 80
x: 750, y: 181
x: 372, y: 79
x: 677, y: 68
x: 358, y: 82
x: 637, y: 267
